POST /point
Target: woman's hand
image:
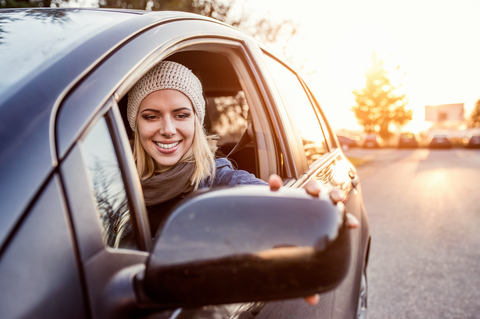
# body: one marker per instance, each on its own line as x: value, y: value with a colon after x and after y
x: 312, y: 188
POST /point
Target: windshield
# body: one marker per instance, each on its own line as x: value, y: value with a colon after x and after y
x: 32, y: 39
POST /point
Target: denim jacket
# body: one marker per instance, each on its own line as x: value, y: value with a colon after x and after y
x: 225, y: 175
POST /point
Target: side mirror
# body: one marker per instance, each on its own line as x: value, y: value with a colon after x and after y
x: 246, y: 244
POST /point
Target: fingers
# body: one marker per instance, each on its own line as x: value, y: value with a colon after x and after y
x: 275, y: 182
x: 352, y: 221
x: 312, y: 300
x: 336, y: 196
x: 312, y: 188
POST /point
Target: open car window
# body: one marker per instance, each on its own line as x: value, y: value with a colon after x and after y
x: 228, y: 110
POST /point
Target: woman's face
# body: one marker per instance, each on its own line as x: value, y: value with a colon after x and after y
x: 166, y: 126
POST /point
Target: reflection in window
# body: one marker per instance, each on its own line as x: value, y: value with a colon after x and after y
x: 228, y: 117
x: 108, y: 187
x: 301, y: 109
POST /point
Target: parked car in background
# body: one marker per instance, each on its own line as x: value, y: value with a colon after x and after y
x: 439, y: 140
x: 472, y: 140
x: 372, y: 141
x: 408, y: 140
x: 347, y: 142
x: 75, y: 237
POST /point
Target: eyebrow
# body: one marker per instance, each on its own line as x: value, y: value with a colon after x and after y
x: 176, y: 110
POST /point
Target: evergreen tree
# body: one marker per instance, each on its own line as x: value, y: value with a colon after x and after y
x: 475, y: 115
x: 378, y: 104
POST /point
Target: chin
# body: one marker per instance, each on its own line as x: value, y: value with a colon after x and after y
x: 168, y: 162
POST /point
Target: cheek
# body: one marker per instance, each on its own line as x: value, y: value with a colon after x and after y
x: 145, y: 132
x: 189, y: 131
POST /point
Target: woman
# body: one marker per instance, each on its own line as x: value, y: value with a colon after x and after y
x: 173, y: 153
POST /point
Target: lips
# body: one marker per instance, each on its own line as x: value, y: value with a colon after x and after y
x: 167, y: 148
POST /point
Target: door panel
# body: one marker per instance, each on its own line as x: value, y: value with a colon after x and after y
x: 40, y: 278
x: 337, y: 174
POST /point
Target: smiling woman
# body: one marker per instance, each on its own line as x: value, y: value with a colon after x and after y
x: 173, y: 154
x: 166, y: 109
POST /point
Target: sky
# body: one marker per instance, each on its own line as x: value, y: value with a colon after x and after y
x: 435, y: 43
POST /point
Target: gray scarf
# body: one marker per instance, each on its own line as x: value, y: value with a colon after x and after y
x: 165, y: 186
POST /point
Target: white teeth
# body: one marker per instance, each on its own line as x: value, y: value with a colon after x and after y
x: 167, y: 146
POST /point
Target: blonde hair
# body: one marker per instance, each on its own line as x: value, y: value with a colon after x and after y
x: 202, y: 153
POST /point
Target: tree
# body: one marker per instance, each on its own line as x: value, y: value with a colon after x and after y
x: 264, y: 29
x: 379, y: 104
x: 475, y: 115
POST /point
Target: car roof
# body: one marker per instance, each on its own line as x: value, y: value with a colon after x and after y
x: 29, y: 100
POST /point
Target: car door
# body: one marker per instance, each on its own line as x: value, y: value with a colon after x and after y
x: 104, y: 198
x: 321, y: 160
x: 39, y: 272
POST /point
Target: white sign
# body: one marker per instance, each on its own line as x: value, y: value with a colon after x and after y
x: 444, y: 112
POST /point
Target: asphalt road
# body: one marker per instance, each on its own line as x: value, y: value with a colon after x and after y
x: 424, y: 211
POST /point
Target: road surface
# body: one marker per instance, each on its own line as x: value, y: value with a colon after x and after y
x: 424, y: 211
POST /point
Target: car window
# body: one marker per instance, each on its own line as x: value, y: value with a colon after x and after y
x: 303, y: 113
x: 228, y: 116
x: 108, y: 188
x: 227, y: 113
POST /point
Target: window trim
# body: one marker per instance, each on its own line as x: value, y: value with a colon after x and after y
x: 130, y: 177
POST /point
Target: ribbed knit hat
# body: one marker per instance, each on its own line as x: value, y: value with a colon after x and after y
x: 166, y: 75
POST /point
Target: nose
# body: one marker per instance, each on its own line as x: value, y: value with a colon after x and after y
x: 168, y: 127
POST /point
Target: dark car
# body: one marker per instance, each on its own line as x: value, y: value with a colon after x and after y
x: 408, y: 140
x: 346, y: 142
x: 75, y: 237
x: 472, y: 140
x: 439, y: 140
x: 372, y: 141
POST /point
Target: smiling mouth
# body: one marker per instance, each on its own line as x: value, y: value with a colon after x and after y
x: 167, y: 146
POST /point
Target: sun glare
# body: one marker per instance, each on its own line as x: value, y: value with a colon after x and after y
x: 434, y: 43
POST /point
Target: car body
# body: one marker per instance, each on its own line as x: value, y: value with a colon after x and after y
x: 372, y: 141
x: 408, y: 140
x: 439, y: 140
x: 472, y: 139
x: 346, y: 142
x: 75, y: 237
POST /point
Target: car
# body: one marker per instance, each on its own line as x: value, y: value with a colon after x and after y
x: 408, y: 140
x: 439, y: 140
x: 346, y: 142
x: 75, y: 237
x: 372, y: 141
x: 472, y: 139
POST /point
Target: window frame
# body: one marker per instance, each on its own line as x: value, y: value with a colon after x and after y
x: 303, y: 167
x: 240, y: 57
x: 113, y: 119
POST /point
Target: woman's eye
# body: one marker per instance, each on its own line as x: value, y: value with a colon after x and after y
x: 149, y: 117
x: 183, y: 116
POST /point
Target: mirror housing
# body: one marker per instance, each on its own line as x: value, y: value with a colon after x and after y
x: 247, y: 244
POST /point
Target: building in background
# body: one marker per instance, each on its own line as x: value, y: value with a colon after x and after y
x: 449, y: 117
x: 444, y: 113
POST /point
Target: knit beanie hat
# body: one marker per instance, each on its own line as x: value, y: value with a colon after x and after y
x: 166, y: 75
